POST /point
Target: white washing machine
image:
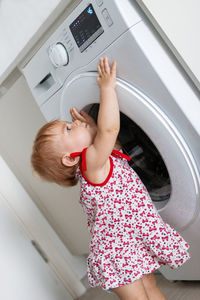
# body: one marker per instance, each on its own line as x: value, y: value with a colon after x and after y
x: 159, y: 108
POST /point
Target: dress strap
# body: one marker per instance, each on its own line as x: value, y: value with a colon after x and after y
x: 74, y: 154
x: 115, y: 153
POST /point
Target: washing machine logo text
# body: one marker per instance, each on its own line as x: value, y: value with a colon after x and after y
x: 90, y: 11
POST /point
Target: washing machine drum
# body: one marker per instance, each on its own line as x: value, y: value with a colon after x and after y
x: 159, y: 154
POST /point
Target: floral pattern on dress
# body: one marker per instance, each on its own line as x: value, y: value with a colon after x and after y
x: 128, y: 236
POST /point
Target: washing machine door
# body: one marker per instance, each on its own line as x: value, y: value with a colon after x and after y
x: 178, y: 204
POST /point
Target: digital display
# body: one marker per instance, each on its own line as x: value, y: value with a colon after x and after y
x: 86, y: 28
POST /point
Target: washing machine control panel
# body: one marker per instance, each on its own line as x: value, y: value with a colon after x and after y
x: 81, y: 33
x: 85, y: 34
x: 89, y: 28
x: 86, y: 28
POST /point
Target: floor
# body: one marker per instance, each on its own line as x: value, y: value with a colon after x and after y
x: 173, y: 290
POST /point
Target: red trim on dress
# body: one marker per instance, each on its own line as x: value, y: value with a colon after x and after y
x: 83, y: 166
x: 84, y: 159
x: 117, y: 153
x: 107, y: 178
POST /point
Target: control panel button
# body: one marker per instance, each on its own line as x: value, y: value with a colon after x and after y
x: 99, y: 2
x: 58, y: 55
x: 107, y: 17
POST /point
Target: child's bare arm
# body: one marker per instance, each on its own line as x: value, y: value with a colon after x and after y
x: 108, y: 122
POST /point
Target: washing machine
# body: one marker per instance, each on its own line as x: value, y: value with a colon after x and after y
x: 160, y: 127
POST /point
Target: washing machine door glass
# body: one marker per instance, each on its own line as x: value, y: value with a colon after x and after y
x: 145, y: 157
x: 159, y: 153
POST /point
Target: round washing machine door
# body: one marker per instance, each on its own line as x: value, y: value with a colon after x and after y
x: 165, y: 148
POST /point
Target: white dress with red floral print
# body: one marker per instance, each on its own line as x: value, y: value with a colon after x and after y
x: 129, y: 238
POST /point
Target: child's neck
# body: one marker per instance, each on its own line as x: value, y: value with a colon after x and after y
x: 117, y: 145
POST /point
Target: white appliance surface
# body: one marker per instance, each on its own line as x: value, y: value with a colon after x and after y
x: 178, y: 22
x: 152, y: 91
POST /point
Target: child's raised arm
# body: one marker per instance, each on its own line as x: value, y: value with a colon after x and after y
x: 108, y: 122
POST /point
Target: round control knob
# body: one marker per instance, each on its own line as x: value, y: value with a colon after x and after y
x: 58, y: 55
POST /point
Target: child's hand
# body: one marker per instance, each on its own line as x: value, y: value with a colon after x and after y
x: 82, y: 116
x: 107, y: 76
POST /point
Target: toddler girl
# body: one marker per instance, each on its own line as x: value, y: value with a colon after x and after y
x: 129, y: 240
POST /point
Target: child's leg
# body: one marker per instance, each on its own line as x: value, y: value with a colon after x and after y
x: 132, y: 291
x: 153, y: 292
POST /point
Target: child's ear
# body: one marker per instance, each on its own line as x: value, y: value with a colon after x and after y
x: 69, y: 161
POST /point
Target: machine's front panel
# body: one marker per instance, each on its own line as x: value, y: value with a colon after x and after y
x: 87, y: 31
x: 146, y: 133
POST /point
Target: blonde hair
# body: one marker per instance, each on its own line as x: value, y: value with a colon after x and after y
x: 46, y: 159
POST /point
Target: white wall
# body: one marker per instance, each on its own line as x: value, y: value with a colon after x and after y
x: 20, y: 118
x: 23, y: 273
x: 38, y: 232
